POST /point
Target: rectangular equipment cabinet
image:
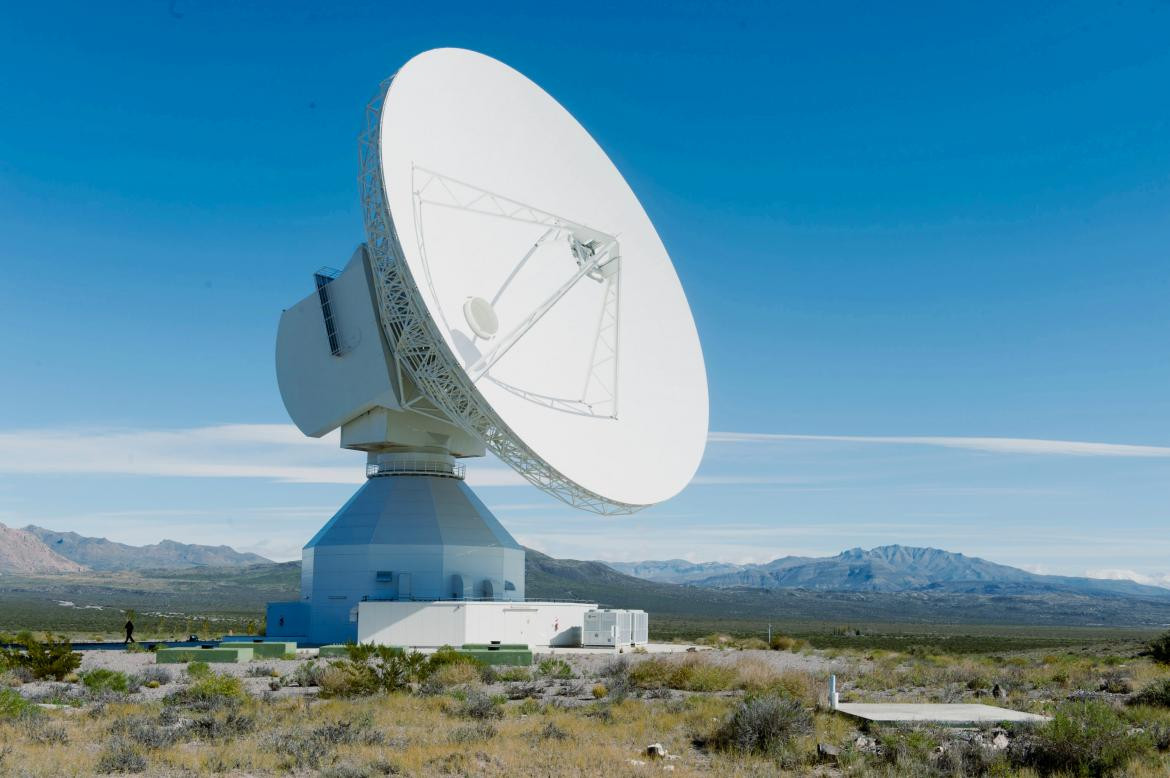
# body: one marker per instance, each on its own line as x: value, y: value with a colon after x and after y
x: 613, y: 627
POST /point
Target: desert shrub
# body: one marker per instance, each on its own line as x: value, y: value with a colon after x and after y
x: 969, y: 758
x: 52, y: 657
x: 142, y: 731
x: 198, y: 669
x: 45, y: 733
x: 509, y: 674
x: 120, y: 756
x: 1159, y: 649
x: 102, y: 680
x: 762, y: 724
x: 261, y: 671
x: 785, y: 643
x: 550, y: 731
x: 211, y: 693
x: 599, y: 691
x: 752, y: 644
x: 692, y: 674
x: 446, y: 655
x: 555, y: 667
x: 715, y: 639
x: 211, y: 726
x: 13, y: 705
x: 1156, y: 695
x: 369, y: 669
x: 480, y: 730
x: 1115, y: 682
x: 522, y: 691
x: 305, y: 675
x: 909, y: 751
x: 346, y: 770
x: 152, y: 674
x: 302, y: 749
x: 456, y: 674
x: 479, y: 705
x: 1083, y: 738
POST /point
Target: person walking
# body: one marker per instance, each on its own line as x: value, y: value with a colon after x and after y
x: 129, y: 632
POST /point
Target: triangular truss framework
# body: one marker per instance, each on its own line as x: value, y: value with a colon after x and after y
x: 597, y: 257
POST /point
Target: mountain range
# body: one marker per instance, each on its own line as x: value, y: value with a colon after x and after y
x: 90, y: 581
x: 890, y: 568
x: 36, y: 550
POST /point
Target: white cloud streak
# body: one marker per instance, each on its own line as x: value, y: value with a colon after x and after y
x: 991, y: 445
x: 1162, y: 580
x: 274, y: 452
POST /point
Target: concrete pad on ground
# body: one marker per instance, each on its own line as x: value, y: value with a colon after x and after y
x: 971, y: 713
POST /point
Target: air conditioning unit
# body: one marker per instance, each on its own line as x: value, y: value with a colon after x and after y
x: 613, y: 627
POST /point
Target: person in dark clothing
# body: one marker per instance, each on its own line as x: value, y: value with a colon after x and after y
x: 129, y: 632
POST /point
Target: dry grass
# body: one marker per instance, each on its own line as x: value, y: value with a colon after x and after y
x: 416, y: 734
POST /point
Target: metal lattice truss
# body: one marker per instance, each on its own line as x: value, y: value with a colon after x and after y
x: 419, y: 348
x: 597, y: 256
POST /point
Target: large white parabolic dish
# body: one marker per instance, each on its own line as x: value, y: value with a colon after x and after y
x: 524, y: 288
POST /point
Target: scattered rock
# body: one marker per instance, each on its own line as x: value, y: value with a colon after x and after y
x: 863, y: 743
x: 656, y: 751
x: 828, y: 753
x: 1000, y: 741
x: 998, y: 692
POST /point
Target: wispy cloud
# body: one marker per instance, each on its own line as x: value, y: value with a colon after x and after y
x: 992, y: 445
x: 275, y: 452
x: 1162, y: 580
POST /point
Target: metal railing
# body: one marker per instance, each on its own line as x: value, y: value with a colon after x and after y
x: 416, y: 467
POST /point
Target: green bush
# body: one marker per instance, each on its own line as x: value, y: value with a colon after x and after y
x: 198, y: 670
x: 447, y: 655
x: 13, y: 706
x: 369, y: 669
x: 101, y: 680
x: 1156, y: 695
x: 692, y: 674
x: 210, y: 693
x: 555, y: 667
x: 763, y: 724
x: 52, y: 657
x: 785, y: 643
x: 1082, y: 739
x: 1159, y: 649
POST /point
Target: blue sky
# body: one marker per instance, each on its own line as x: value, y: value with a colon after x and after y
x: 900, y: 228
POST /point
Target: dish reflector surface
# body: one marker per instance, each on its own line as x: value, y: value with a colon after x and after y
x: 553, y: 296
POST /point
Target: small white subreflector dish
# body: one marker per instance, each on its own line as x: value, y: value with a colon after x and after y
x: 499, y: 229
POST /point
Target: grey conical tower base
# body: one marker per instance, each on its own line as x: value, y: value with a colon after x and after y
x: 420, y: 537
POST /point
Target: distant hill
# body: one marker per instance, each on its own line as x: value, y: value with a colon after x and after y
x: 23, y: 553
x: 102, y: 554
x: 675, y: 570
x: 888, y: 569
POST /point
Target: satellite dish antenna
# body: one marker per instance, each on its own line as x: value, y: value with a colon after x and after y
x: 512, y: 296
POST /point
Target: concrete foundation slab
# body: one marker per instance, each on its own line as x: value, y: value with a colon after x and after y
x: 942, y: 714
